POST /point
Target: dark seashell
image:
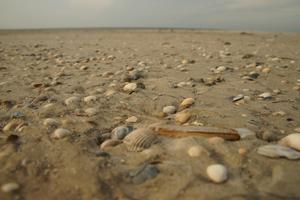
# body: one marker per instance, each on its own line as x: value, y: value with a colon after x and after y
x: 120, y: 132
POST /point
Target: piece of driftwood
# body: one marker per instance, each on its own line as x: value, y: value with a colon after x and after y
x: 201, y: 131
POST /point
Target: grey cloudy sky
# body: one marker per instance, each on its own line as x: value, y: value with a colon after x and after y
x: 262, y: 15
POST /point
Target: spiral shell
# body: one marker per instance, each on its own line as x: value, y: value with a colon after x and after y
x: 140, y: 139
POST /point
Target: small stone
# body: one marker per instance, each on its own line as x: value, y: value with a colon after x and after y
x: 60, y: 133
x: 186, y: 103
x: 242, y: 151
x: 84, y: 67
x: 132, y: 119
x: 265, y: 95
x: 217, y: 173
x: 182, y: 117
x: 91, y: 111
x: 292, y: 141
x: 221, y: 69
x: 10, y: 187
x: 169, y: 110
x: 72, y: 101
x: 195, y: 151
x: 215, y: 140
x: 51, y: 122
x: 90, y: 99
x: 276, y: 91
x: 130, y: 87
x: 266, y: 70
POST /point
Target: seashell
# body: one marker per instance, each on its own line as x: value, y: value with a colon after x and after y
x: 265, y: 95
x: 140, y: 139
x: 143, y: 173
x: 51, y: 122
x: 119, y: 133
x: 12, y: 125
x: 292, y: 141
x: 217, y: 173
x: 132, y: 119
x: 10, y: 187
x: 72, y: 101
x: 130, y: 87
x: 277, y: 151
x: 91, y: 111
x: 186, y: 103
x: 110, y: 143
x: 90, y: 99
x: 182, y: 117
x: 60, y: 133
x: 169, y: 110
x: 238, y: 97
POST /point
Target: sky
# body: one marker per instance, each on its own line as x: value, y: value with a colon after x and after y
x: 248, y: 15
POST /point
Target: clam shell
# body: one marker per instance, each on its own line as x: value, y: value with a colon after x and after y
x: 217, y: 173
x: 119, y: 133
x: 277, y: 151
x: 140, y: 139
x: 292, y: 140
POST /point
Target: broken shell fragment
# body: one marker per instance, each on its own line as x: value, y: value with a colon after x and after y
x: 292, y: 141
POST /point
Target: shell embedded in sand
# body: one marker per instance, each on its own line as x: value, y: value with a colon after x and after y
x: 186, y: 103
x: 182, y: 117
x: 90, y: 99
x: 196, y: 151
x: 72, y: 101
x: 140, y: 139
x: 292, y: 140
x: 60, y: 133
x: 110, y: 143
x: 51, y: 122
x: 217, y: 173
x: 130, y: 87
x: 169, y: 110
x: 277, y: 151
x: 120, y: 132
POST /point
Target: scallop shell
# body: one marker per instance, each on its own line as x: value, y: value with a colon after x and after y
x: 140, y: 139
x: 292, y: 140
x: 120, y: 132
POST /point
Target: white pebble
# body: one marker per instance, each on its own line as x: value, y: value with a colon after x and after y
x: 217, y: 173
x: 130, y: 87
x: 132, y: 119
x: 195, y: 151
x: 169, y: 110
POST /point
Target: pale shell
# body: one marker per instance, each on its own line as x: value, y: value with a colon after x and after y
x: 140, y: 139
x: 130, y: 87
x: 277, y: 151
x: 60, y: 133
x: 292, y: 140
x: 217, y: 173
x: 169, y: 110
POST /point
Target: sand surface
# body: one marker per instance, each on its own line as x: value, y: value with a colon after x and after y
x: 39, y: 70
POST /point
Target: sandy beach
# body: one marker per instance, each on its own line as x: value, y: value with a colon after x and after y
x: 63, y: 92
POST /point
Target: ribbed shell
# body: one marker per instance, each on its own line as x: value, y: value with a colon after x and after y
x: 140, y: 139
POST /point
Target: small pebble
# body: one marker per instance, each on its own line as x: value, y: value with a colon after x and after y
x: 217, y: 173
x: 10, y: 187
x: 130, y: 87
x: 60, y: 133
x: 169, y: 110
x: 182, y: 117
x: 132, y: 119
x: 195, y: 151
x: 242, y: 151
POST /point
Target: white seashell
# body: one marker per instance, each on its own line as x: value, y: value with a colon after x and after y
x: 130, y: 87
x: 90, y: 99
x: 292, y: 140
x: 10, y: 187
x: 51, y: 122
x: 169, y: 110
x: 140, y: 139
x: 91, y: 111
x: 217, y: 173
x: 265, y: 95
x: 110, y: 143
x: 277, y: 151
x: 186, y: 103
x: 119, y: 133
x: 60, y: 133
x: 72, y: 101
